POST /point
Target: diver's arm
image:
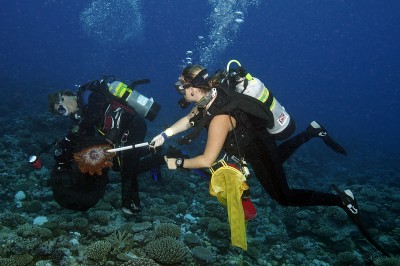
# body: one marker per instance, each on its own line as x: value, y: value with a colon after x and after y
x: 218, y: 130
x: 178, y: 127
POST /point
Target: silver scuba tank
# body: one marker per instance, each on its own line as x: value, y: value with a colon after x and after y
x: 256, y: 89
x: 145, y: 107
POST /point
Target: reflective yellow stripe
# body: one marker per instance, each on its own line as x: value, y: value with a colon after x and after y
x: 264, y: 96
x: 121, y: 89
x: 272, y: 104
x: 249, y: 76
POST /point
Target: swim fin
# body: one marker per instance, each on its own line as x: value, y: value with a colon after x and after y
x: 334, y: 145
x: 351, y: 208
x: 315, y: 129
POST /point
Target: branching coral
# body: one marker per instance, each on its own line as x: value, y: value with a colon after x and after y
x: 98, y: 251
x: 93, y: 159
x: 120, y: 240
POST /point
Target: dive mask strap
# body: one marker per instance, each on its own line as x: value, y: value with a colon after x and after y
x: 201, y: 79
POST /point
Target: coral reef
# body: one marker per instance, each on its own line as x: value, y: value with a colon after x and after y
x: 120, y: 241
x: 138, y: 227
x: 140, y: 262
x: 387, y: 261
x: 346, y: 258
x: 178, y: 215
x: 101, y: 217
x: 203, y: 254
x: 166, y: 250
x: 167, y: 229
x: 80, y: 223
x: 192, y: 239
x: 57, y: 256
x: 98, y: 251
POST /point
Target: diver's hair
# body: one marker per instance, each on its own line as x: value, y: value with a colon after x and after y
x: 190, y: 72
x: 54, y: 98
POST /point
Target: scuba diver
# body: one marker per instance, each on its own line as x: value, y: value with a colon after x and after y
x: 237, y: 124
x: 105, y: 112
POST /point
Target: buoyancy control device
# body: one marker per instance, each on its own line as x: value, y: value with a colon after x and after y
x: 245, y: 83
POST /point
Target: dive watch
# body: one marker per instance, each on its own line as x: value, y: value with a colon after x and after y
x: 179, y: 162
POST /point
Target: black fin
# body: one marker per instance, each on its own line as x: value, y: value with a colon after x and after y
x: 334, y: 145
x: 356, y: 218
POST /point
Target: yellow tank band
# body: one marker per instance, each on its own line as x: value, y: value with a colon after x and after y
x: 273, y: 104
x: 169, y: 132
x: 249, y: 76
x: 264, y: 96
x: 121, y: 89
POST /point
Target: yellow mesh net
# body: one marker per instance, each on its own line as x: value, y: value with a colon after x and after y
x: 227, y: 184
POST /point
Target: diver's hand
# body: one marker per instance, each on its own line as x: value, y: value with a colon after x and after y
x: 171, y: 163
x: 158, y: 140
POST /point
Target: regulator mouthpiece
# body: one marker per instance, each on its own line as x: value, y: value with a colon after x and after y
x: 183, y: 103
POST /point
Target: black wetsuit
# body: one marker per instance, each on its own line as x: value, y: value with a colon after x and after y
x: 100, y: 118
x: 260, y: 150
x: 72, y: 189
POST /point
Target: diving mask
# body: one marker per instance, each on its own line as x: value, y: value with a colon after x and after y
x: 181, y: 87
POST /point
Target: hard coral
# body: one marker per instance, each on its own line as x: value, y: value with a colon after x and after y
x: 80, y: 223
x: 93, y: 159
x: 166, y: 250
x: 98, y: 251
x: 140, y: 262
x: 101, y: 217
x: 120, y: 240
x: 203, y: 254
x: 167, y: 229
x: 7, y: 262
x: 23, y: 259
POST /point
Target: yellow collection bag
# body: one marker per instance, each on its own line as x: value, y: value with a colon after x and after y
x: 227, y: 184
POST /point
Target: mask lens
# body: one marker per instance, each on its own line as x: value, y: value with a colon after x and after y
x: 181, y: 87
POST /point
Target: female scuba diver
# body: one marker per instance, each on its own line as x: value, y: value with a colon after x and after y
x: 244, y: 136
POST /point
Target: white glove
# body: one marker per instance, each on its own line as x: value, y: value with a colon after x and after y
x: 158, y: 140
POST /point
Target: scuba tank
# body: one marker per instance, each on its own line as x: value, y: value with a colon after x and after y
x: 145, y: 107
x: 245, y: 83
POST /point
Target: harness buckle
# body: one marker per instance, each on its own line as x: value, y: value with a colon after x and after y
x: 124, y: 138
x: 352, y: 208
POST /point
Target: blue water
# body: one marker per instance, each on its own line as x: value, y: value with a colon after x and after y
x: 334, y: 61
